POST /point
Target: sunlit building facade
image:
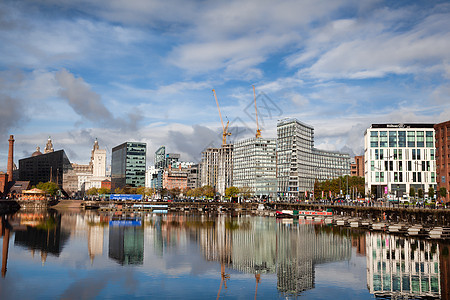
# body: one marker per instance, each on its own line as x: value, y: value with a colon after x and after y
x: 254, y: 166
x: 299, y: 164
x: 398, y: 157
x: 128, y: 165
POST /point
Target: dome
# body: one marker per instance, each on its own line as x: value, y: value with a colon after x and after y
x: 37, y: 152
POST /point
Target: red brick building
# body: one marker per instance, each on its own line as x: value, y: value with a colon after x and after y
x: 357, y: 168
x: 175, y: 178
x: 442, y: 134
x: 3, y: 182
x: 106, y: 184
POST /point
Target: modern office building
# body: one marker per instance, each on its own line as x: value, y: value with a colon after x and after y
x: 357, y: 166
x: 52, y: 166
x: 442, y: 131
x: 225, y: 170
x: 160, y: 158
x: 210, y: 167
x: 194, y: 176
x: 299, y: 164
x: 254, y: 166
x: 171, y: 159
x: 128, y: 165
x: 398, y: 157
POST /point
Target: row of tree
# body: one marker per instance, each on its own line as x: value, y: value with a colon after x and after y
x: 352, y: 184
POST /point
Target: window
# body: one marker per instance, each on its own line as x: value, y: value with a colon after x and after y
x: 383, y: 139
x: 395, y: 153
x: 382, y: 176
x: 411, y: 139
x: 429, y: 139
x: 433, y: 177
x: 376, y: 154
x: 418, y: 154
x: 420, y: 140
x: 402, y: 138
x: 372, y: 165
x: 377, y: 176
x: 400, y: 152
x: 414, y: 154
x: 432, y: 154
x: 392, y: 138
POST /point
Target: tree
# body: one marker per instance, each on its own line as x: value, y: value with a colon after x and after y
x: 420, y: 193
x: 208, y: 191
x: 103, y: 191
x: 231, y: 192
x: 412, y: 192
x: 431, y: 193
x: 443, y: 192
x: 50, y: 188
x: 92, y: 191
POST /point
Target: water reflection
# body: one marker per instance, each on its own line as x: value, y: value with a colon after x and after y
x: 288, y: 251
x: 407, y: 267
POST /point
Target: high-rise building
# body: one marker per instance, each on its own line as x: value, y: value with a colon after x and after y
x: 128, y: 165
x: 160, y: 158
x: 299, y: 164
x: 442, y: 131
x: 225, y: 170
x: 398, y: 157
x: 210, y: 167
x: 171, y: 158
x: 254, y: 166
x: 194, y: 177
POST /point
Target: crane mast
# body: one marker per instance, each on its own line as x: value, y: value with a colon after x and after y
x: 258, y: 131
x: 225, y: 128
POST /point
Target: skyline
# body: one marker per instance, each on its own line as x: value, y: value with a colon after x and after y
x: 144, y: 71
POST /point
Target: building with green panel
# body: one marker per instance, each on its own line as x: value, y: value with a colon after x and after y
x: 128, y: 165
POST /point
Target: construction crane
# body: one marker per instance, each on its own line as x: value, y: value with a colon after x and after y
x: 258, y: 131
x: 225, y: 128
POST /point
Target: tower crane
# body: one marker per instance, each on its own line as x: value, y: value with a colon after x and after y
x: 225, y: 128
x: 258, y: 131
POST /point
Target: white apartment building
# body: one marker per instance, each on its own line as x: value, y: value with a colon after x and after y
x: 210, y: 167
x: 299, y: 164
x: 254, y: 166
x: 398, y: 157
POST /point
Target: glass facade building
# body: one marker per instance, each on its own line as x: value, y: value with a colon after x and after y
x: 128, y: 165
x: 254, y: 166
x: 52, y: 166
x: 398, y: 157
x: 299, y: 164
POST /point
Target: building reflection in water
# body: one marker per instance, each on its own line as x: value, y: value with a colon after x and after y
x: 406, y: 267
x: 39, y: 231
x: 263, y: 247
x: 126, y: 241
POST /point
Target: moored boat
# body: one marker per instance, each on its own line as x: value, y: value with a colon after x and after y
x: 297, y: 213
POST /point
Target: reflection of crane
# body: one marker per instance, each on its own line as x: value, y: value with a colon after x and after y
x: 258, y: 279
x: 223, y: 278
x: 225, y: 128
x: 258, y: 131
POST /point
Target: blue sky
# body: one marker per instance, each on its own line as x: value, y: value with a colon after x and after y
x: 121, y: 70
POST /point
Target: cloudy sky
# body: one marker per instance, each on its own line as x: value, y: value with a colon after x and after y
x: 123, y: 70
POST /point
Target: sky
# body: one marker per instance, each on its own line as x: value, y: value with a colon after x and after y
x: 123, y: 70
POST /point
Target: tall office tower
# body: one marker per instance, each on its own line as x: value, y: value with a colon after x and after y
x: 171, y: 158
x: 299, y: 164
x: 225, y: 170
x: 128, y: 165
x: 210, y: 167
x: 442, y: 131
x: 160, y: 158
x: 254, y: 166
x: 398, y: 157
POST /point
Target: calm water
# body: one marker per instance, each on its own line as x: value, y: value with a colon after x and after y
x: 85, y: 255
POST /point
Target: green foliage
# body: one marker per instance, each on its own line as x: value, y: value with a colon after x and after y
x: 50, y: 188
x: 232, y: 191
x: 208, y: 191
x: 420, y: 193
x: 443, y: 192
x: 103, y: 191
x: 335, y: 185
x: 145, y: 191
x: 412, y: 192
x: 431, y: 192
x: 92, y: 191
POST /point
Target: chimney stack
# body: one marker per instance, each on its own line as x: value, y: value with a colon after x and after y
x: 10, y: 158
